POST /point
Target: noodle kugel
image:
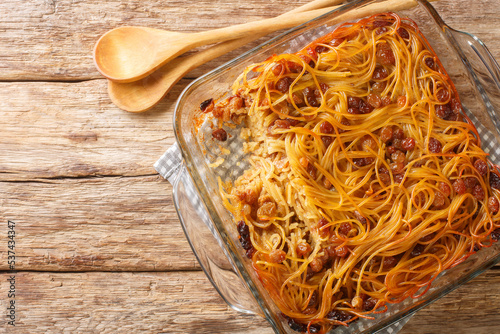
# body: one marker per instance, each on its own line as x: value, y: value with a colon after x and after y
x: 366, y: 181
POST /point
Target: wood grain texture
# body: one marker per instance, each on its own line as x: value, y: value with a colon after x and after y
x: 185, y: 302
x: 180, y: 302
x: 59, y: 129
x: 54, y: 39
x: 94, y: 224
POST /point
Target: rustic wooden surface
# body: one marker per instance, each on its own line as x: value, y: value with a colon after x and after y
x: 99, y: 248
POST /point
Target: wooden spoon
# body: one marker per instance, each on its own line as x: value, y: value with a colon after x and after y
x: 128, y: 54
x: 141, y: 95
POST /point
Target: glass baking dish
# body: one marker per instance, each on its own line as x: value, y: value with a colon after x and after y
x: 209, y: 227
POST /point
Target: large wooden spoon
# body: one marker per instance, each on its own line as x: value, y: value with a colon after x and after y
x: 141, y: 95
x: 128, y: 54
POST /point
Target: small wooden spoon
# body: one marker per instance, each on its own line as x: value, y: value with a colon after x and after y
x: 128, y: 54
x: 141, y: 95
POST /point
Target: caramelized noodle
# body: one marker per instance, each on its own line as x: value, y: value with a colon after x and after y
x: 364, y: 182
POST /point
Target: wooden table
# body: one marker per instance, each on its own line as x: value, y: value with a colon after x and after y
x: 98, y: 245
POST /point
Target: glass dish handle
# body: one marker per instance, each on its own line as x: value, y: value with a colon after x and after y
x: 207, y: 245
x: 483, y: 68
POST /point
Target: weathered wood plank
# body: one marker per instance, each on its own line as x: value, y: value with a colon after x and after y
x: 472, y: 308
x: 54, y: 40
x: 94, y: 224
x: 73, y: 130
x: 185, y: 302
x: 181, y: 302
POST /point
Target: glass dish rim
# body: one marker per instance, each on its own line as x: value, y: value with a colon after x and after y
x: 193, y: 171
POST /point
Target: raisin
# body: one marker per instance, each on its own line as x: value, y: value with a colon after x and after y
x: 359, y: 216
x: 470, y: 182
x: 321, y: 48
x: 478, y: 192
x: 248, y: 196
x: 336, y: 42
x: 267, y: 209
x: 456, y: 106
x: 243, y: 229
x: 316, y: 265
x: 435, y: 146
x: 443, y: 111
x: 397, y: 143
x: 380, y: 23
x: 369, y: 304
x: 303, y: 249
x: 368, y: 144
x: 378, y: 88
x: 417, y: 250
x: 312, y: 53
x: 389, y: 262
x: 439, y: 199
x: 374, y: 100
x: 323, y: 232
x: 326, y: 127
x: 398, y: 178
x: 311, y: 97
x: 398, y: 156
x: 298, y: 100
x: 493, y: 204
x: 401, y: 101
x: 397, y: 167
x: 353, y: 102
x: 207, y: 105
x: 246, y: 243
x: 249, y: 252
x: 342, y: 251
x: 408, y: 144
x: 327, y: 140
x: 294, y: 67
x: 429, y: 62
x: 361, y: 162
x: 443, y: 95
x: 481, y: 167
x: 398, y: 133
x: 379, y: 73
x: 297, y: 326
x: 314, y: 328
x: 364, y: 107
x: 345, y: 228
x: 495, y: 181
x: 385, y: 55
x: 403, y: 33
x: 444, y: 188
x: 283, y: 84
x: 337, y: 315
x: 324, y: 87
x: 459, y: 186
x: 386, y: 134
x: 282, y: 124
x: 495, y: 235
x: 386, y: 100
x: 277, y: 256
x: 277, y: 69
x: 219, y: 134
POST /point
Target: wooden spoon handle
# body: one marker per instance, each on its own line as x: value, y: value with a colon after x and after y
x: 218, y: 50
x: 255, y: 27
x: 139, y: 96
